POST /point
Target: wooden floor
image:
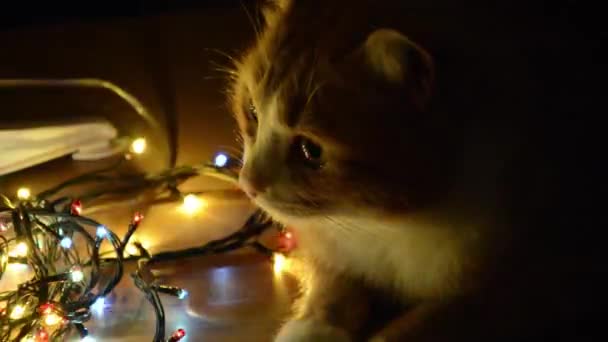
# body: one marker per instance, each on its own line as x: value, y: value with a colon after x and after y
x: 232, y: 298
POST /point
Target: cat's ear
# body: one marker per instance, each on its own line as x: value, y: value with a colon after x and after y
x: 396, y: 59
x: 273, y: 9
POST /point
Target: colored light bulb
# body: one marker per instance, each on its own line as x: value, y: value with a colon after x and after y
x: 76, y: 274
x: 138, y: 146
x: 220, y: 160
x: 66, y: 242
x: 101, y: 232
x: 76, y: 207
x: 23, y: 193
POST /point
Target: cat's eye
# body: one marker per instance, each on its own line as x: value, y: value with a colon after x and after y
x: 252, y: 112
x: 311, y: 152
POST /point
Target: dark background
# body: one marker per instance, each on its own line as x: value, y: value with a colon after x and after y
x: 169, y: 45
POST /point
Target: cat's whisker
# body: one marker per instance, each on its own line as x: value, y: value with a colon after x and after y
x: 212, y: 78
x: 223, y: 54
x: 255, y: 24
x: 344, y: 227
x: 313, y: 93
x: 311, y: 77
x: 226, y: 70
x: 350, y: 229
x: 356, y: 228
x: 307, y: 200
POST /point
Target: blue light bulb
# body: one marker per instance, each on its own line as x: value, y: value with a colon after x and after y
x: 182, y: 294
x: 220, y: 160
x: 102, y: 232
x: 66, y: 242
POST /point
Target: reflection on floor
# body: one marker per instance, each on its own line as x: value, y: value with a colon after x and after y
x: 234, y: 297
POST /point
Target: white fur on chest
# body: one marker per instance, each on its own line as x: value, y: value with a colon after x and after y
x: 417, y: 259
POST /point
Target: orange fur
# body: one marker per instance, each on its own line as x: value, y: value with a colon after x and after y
x: 418, y: 193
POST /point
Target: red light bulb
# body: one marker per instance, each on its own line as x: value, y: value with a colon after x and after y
x: 76, y: 208
x: 177, y: 335
x: 46, y: 308
x: 286, y: 241
x: 138, y: 217
x: 42, y: 336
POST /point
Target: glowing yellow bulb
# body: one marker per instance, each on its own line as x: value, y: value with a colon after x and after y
x: 192, y: 204
x: 138, y: 146
x: 28, y: 338
x: 20, y: 250
x: 76, y: 274
x: 17, y: 312
x: 131, y: 249
x: 52, y: 319
x: 281, y: 263
x: 23, y: 193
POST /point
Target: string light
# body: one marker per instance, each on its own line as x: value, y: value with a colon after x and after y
x: 23, y: 193
x: 220, y: 160
x: 172, y: 290
x: 280, y: 263
x: 42, y: 335
x: 17, y: 312
x: 66, y: 242
x: 177, y: 335
x: 182, y: 294
x: 76, y: 208
x: 101, y: 232
x: 18, y: 267
x: 20, y: 250
x: 138, y: 146
x: 76, y: 274
x: 52, y: 319
x: 286, y: 241
x: 46, y: 308
x: 192, y: 203
x: 131, y: 249
x: 45, y: 220
x: 137, y: 218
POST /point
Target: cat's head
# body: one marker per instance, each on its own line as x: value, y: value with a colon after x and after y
x: 333, y: 114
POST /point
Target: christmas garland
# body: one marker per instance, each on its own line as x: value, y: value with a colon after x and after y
x: 47, y: 233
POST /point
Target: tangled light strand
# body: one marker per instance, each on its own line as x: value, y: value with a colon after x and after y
x: 62, y: 248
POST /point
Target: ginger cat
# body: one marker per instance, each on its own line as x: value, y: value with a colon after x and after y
x: 406, y: 161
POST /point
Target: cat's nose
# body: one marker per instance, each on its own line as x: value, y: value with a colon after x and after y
x: 251, y: 187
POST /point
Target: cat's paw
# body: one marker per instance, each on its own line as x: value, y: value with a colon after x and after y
x: 311, y: 331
